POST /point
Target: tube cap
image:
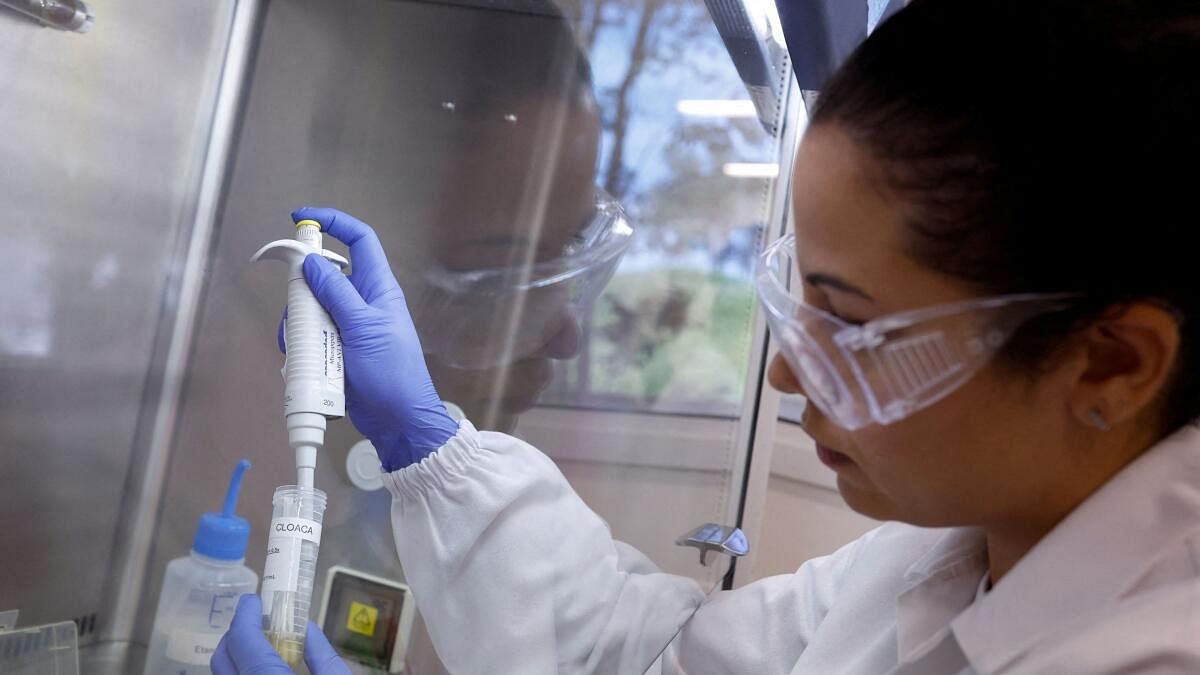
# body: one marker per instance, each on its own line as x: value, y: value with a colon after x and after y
x: 224, y: 535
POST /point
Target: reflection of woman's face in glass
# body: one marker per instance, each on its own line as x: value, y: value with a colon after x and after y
x: 468, y: 137
x: 522, y: 171
x: 523, y: 188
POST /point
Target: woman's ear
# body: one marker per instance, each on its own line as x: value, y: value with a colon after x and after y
x: 1130, y: 358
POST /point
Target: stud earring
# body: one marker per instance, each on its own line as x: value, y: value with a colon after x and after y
x: 1097, y: 420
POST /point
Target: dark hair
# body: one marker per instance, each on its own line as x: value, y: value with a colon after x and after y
x: 1042, y: 146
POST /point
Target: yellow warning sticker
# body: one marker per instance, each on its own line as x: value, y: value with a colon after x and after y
x: 361, y: 618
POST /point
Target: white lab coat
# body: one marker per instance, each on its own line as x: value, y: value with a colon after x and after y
x: 514, y: 574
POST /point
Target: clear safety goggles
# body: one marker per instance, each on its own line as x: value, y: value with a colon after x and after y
x: 890, y: 367
x: 481, y: 318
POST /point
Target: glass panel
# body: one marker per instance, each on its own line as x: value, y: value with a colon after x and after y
x: 474, y: 137
x: 103, y: 135
x: 684, y: 150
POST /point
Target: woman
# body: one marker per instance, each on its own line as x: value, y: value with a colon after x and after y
x: 1008, y: 181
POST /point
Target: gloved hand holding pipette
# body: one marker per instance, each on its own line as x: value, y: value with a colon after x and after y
x: 389, y: 395
x: 390, y: 399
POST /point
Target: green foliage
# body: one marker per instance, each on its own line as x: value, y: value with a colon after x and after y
x: 672, y: 336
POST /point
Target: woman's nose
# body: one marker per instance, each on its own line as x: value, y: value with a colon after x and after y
x: 564, y: 342
x: 780, y: 375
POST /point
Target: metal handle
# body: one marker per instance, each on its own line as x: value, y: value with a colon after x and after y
x: 70, y: 15
x: 723, y: 539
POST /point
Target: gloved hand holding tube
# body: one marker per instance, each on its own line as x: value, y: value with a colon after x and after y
x: 245, y: 649
x: 390, y: 397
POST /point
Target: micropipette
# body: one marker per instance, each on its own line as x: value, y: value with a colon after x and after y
x: 313, y: 393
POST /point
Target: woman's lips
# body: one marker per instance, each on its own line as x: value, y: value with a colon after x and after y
x: 832, y: 458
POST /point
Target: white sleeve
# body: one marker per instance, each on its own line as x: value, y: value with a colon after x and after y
x: 514, y: 574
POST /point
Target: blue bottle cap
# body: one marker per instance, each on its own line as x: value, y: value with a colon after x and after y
x: 224, y: 535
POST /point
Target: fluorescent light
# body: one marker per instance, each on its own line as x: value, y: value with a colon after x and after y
x: 716, y: 108
x: 749, y: 170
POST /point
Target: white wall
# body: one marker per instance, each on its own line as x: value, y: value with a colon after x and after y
x: 652, y: 477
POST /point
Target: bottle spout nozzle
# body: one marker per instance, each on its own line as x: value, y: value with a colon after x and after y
x: 235, y: 487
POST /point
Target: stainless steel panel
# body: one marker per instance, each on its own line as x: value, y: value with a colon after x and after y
x: 156, y: 431
x: 103, y: 137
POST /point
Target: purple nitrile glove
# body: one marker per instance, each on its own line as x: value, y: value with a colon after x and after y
x: 389, y: 395
x: 244, y: 648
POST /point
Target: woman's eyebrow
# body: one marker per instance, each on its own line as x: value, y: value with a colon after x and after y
x: 830, y: 281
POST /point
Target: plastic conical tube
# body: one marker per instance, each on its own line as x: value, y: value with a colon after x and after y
x: 291, y: 567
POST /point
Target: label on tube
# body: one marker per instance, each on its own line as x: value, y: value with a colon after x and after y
x: 282, y: 566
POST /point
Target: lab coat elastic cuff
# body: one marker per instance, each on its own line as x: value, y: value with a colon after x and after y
x: 452, y: 459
